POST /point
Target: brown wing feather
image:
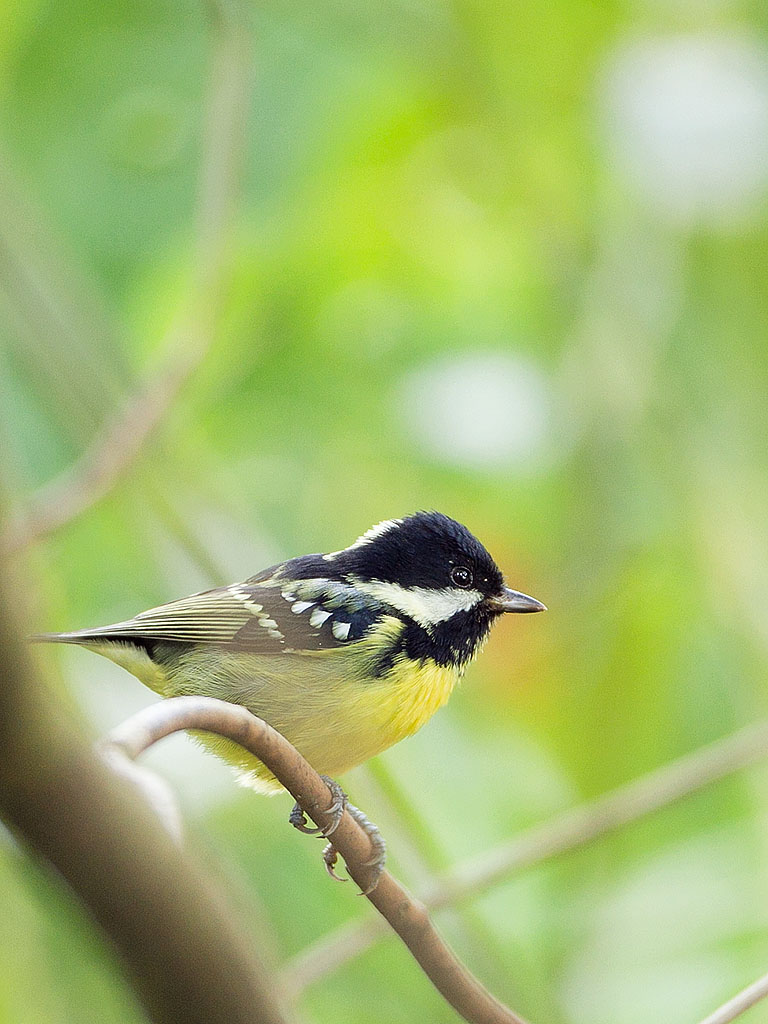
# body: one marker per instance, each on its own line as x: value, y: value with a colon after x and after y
x: 260, y: 619
x: 214, y: 616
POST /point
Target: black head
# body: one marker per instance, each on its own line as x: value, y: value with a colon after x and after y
x: 424, y: 552
x: 430, y: 570
x: 427, y: 550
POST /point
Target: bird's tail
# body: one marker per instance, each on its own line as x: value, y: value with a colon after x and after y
x: 82, y: 636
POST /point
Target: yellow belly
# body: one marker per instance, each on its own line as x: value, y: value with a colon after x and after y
x: 337, y: 723
x: 326, y: 703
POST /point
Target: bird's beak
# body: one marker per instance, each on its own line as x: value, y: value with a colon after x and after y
x: 513, y: 601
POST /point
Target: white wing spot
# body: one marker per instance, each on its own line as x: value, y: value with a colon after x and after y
x: 267, y: 623
x: 288, y: 596
x: 318, y: 617
x: 247, y: 599
x: 301, y: 606
x: 341, y: 630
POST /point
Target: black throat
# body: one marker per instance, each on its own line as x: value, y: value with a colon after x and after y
x: 452, y: 643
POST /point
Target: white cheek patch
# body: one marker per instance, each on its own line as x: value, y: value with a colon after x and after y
x: 428, y: 607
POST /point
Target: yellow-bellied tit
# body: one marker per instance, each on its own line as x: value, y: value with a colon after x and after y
x: 343, y: 653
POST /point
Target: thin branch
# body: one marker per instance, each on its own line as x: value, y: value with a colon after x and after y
x: 108, y: 458
x: 740, y: 1003
x: 567, y: 831
x: 426, y: 858
x: 128, y: 433
x: 405, y: 915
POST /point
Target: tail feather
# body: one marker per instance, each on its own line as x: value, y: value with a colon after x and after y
x: 83, y: 636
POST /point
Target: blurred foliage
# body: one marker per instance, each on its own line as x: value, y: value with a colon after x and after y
x: 424, y: 186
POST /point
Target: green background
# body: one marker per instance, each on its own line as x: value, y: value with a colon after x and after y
x: 507, y: 261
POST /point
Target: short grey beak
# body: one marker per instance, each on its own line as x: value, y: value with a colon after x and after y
x: 513, y: 601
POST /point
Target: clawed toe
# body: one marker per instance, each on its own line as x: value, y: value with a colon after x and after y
x: 298, y: 819
x: 375, y: 863
x: 378, y: 860
x: 339, y: 804
x: 330, y: 856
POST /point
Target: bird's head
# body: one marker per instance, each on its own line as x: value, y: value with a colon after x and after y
x: 433, y: 572
x: 428, y: 570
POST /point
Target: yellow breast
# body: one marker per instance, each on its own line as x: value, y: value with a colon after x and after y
x: 415, y: 691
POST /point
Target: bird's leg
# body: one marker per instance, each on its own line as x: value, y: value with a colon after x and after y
x: 298, y: 819
x: 340, y: 803
x: 376, y: 863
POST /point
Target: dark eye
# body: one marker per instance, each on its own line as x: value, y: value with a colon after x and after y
x: 461, y: 576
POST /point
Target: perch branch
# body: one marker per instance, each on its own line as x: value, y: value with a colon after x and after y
x: 405, y: 915
x: 567, y: 831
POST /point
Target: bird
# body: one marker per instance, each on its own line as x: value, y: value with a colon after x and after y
x: 345, y: 653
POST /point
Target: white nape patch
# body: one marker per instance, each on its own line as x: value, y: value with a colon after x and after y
x: 366, y: 538
x: 341, y: 630
x: 428, y: 607
x: 318, y: 617
x: 301, y: 606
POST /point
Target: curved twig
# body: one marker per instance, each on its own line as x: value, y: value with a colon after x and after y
x: 567, y: 831
x: 408, y: 917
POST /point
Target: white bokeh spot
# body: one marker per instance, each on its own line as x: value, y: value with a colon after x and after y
x: 484, y: 410
x: 686, y: 119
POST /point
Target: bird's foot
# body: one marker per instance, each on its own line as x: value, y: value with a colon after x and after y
x: 376, y: 862
x: 298, y: 819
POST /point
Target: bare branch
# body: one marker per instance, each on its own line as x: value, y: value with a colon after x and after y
x: 740, y: 1003
x: 107, y: 459
x: 127, y: 433
x: 405, y: 915
x: 567, y: 831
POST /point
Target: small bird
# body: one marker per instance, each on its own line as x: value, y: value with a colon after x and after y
x: 343, y: 653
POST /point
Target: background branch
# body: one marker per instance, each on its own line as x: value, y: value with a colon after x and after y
x: 187, y: 956
x: 740, y: 1003
x: 127, y: 433
x: 405, y: 915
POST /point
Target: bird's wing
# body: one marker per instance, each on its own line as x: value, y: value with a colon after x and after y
x: 261, y: 619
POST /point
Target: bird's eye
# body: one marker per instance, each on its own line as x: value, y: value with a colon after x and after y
x: 461, y: 576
